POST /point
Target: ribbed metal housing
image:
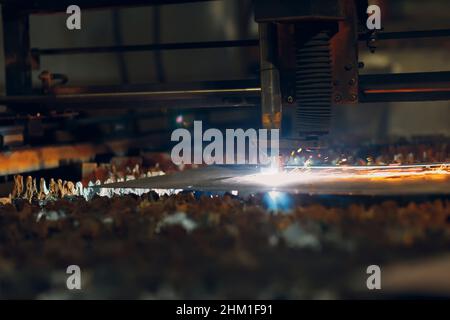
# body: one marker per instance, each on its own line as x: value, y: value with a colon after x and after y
x: 313, y: 82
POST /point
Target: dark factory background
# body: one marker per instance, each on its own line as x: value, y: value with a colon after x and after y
x: 230, y: 20
x: 87, y: 179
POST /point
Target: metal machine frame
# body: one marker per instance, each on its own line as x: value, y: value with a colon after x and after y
x: 274, y: 91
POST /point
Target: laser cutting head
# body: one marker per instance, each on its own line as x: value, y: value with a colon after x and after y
x: 309, y: 62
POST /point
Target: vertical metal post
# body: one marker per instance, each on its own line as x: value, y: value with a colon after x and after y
x: 270, y: 77
x: 17, y: 52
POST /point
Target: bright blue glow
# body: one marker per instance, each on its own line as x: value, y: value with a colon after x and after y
x: 279, y: 201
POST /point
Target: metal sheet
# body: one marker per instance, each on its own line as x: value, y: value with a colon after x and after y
x: 352, y: 180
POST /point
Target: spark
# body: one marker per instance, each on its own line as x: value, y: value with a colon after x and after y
x: 292, y: 175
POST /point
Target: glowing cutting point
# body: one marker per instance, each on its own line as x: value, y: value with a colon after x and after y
x: 274, y: 195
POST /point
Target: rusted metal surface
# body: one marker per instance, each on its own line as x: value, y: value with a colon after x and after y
x: 44, y: 158
x: 49, y: 157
